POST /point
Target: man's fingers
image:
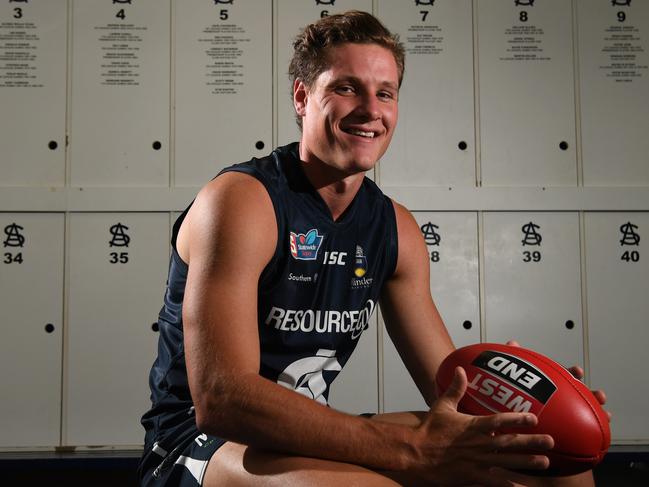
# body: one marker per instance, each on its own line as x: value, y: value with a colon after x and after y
x: 517, y: 442
x: 500, y: 421
x: 456, y: 388
x: 517, y: 461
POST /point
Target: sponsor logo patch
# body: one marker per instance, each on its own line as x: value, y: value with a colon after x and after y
x: 305, y: 246
x: 506, y: 383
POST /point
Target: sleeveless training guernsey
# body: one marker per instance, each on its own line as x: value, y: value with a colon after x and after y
x: 316, y: 295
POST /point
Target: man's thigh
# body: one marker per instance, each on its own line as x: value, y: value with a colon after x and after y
x: 235, y: 465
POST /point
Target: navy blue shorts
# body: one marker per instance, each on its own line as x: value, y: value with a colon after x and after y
x: 182, y: 461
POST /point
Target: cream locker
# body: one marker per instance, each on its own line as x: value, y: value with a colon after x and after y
x: 120, y: 106
x: 355, y: 390
x: 31, y: 299
x: 532, y: 282
x: 452, y: 242
x: 614, y: 89
x: 617, y: 270
x: 117, y: 271
x: 434, y: 142
x: 292, y: 16
x: 223, y: 86
x: 32, y: 92
x: 527, y: 108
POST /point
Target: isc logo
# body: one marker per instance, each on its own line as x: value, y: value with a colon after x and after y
x: 334, y: 258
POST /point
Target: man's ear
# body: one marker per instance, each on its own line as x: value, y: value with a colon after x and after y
x: 300, y: 95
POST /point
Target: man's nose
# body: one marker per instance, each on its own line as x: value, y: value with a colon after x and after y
x: 369, y: 107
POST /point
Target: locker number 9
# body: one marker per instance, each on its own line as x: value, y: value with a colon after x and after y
x: 531, y: 256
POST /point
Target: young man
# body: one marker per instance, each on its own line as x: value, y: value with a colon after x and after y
x: 276, y: 268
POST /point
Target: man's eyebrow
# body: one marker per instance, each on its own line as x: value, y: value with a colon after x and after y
x: 356, y: 80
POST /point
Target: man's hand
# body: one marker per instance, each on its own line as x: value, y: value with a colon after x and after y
x: 578, y: 373
x: 460, y: 449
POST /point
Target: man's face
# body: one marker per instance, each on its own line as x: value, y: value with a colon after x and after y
x: 350, y: 112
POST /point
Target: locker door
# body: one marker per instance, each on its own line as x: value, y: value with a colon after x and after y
x: 452, y: 241
x: 617, y: 270
x: 223, y: 86
x: 31, y: 299
x: 527, y: 109
x: 119, y: 132
x: 292, y: 16
x: 614, y: 78
x: 532, y: 282
x: 434, y: 142
x: 32, y: 92
x: 118, y: 266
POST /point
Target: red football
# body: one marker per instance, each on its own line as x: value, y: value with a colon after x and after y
x: 503, y: 378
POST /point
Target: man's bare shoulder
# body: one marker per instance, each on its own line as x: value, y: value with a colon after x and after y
x: 234, y: 207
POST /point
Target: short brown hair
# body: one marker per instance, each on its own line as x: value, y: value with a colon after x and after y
x: 311, y: 46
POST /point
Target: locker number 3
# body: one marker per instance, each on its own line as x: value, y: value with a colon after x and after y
x: 118, y: 257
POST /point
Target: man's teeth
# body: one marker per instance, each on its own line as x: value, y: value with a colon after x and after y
x: 361, y: 133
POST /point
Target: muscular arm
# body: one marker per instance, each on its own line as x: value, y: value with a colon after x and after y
x: 228, y: 237
x: 411, y: 317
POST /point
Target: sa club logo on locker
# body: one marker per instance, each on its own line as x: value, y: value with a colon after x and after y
x: 305, y: 246
x: 429, y: 231
x: 130, y: 2
x: 325, y: 2
x: 229, y: 2
x: 622, y: 3
x: 14, y: 237
x: 425, y: 2
x: 528, y: 3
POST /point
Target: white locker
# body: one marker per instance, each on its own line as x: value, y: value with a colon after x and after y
x: 223, y: 86
x: 355, y: 390
x: 32, y: 92
x: 120, y: 107
x: 617, y: 270
x: 434, y: 142
x: 614, y: 79
x: 532, y: 282
x: 452, y: 241
x: 31, y: 299
x: 526, y: 95
x: 117, y: 271
x: 292, y: 16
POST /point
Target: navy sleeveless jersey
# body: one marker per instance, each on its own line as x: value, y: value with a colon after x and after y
x: 316, y: 295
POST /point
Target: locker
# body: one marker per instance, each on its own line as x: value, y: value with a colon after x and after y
x: 434, y: 143
x: 614, y: 78
x: 31, y: 297
x: 292, y: 16
x: 32, y: 90
x: 527, y: 107
x: 452, y: 241
x: 532, y: 282
x: 617, y: 270
x: 223, y: 86
x: 117, y: 266
x: 120, y: 107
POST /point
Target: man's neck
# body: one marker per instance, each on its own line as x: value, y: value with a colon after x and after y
x: 335, y: 188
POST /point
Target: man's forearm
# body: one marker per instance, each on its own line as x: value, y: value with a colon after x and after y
x: 257, y: 412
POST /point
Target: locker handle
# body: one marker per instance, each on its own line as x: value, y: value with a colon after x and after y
x: 570, y: 324
x: 260, y: 144
x: 157, y: 145
x: 563, y: 145
x: 155, y: 327
x: 462, y: 145
x: 467, y: 325
x: 49, y: 328
x: 52, y: 145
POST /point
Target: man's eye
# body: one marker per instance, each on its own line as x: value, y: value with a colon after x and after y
x: 386, y: 95
x: 345, y: 89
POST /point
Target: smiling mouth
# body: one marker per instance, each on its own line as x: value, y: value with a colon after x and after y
x: 360, y: 133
